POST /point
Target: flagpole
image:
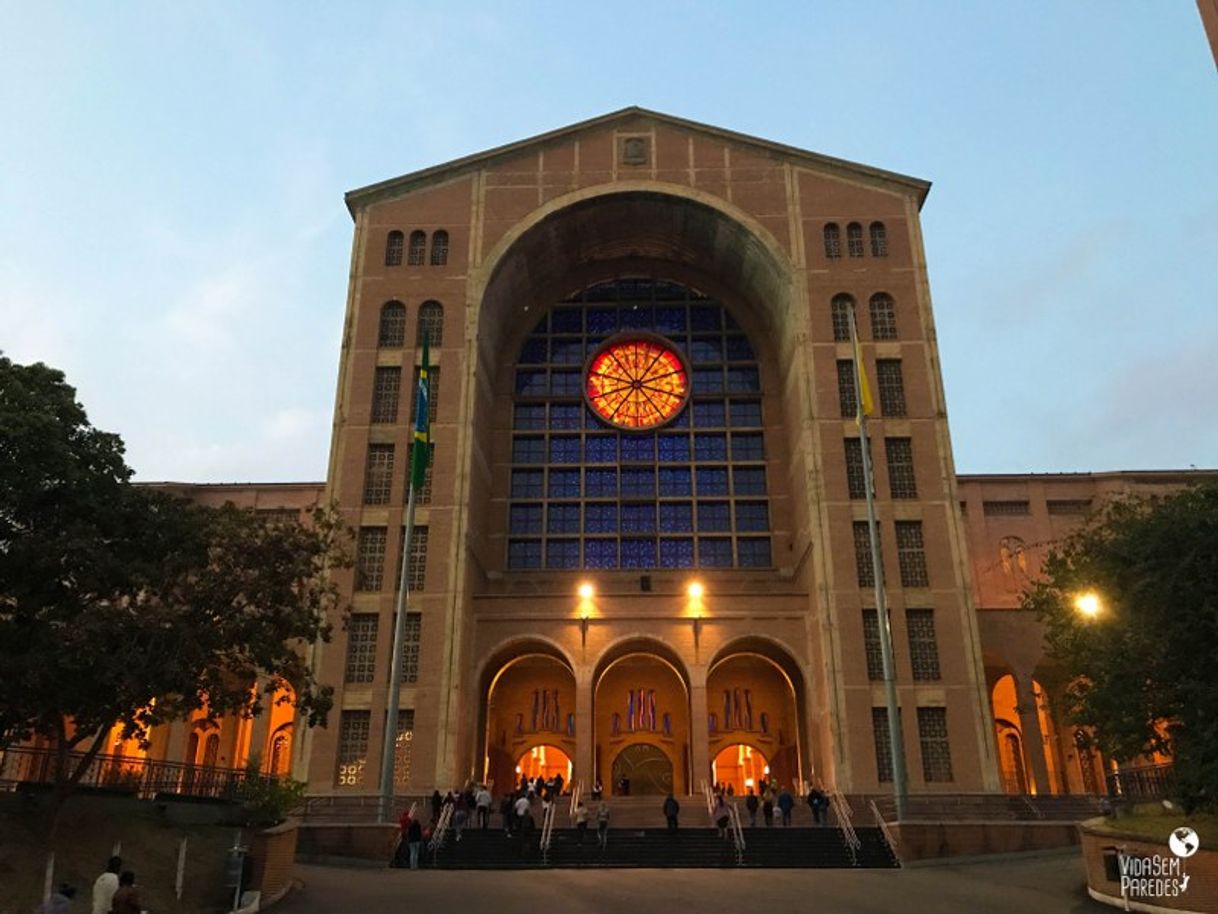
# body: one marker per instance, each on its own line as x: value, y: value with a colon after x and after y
x: 900, y: 786
x: 395, y: 670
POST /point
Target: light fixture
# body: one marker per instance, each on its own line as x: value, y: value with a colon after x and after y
x: 695, y: 590
x: 1088, y: 604
x: 586, y: 591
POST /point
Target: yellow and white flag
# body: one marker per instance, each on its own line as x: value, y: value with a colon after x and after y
x: 865, y: 404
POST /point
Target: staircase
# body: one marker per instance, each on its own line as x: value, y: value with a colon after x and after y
x: 660, y: 848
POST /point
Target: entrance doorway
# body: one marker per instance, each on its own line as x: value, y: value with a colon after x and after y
x: 544, y: 762
x: 647, y: 767
x: 740, y: 767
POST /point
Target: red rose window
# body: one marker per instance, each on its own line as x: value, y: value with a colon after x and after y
x: 636, y: 382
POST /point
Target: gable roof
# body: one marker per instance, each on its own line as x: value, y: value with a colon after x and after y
x: 362, y: 196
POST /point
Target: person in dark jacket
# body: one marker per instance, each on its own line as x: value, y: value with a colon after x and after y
x: 127, y: 898
x: 59, y: 902
x: 751, y: 803
x: 436, y: 802
x: 786, y: 803
x: 767, y: 807
x: 671, y: 809
x: 819, y: 802
x: 414, y: 840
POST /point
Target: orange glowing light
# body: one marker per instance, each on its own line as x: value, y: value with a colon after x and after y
x: 637, y: 383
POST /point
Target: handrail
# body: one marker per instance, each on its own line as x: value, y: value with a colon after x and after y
x: 576, y: 792
x: 709, y: 796
x: 547, y: 832
x: 440, y: 832
x: 843, y: 812
x: 885, y: 830
x: 737, y: 833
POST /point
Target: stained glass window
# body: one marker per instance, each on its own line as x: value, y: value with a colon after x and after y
x: 592, y: 484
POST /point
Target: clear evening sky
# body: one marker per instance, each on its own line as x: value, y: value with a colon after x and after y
x: 173, y: 236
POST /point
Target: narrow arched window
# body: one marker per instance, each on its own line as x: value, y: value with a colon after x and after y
x: 833, y: 240
x: 393, y: 249
x: 392, y: 331
x: 854, y: 240
x: 883, y: 317
x: 840, y: 307
x: 439, y: 248
x: 418, y: 249
x: 879, y: 240
x: 431, y: 324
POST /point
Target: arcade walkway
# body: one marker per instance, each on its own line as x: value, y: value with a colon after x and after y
x: 1046, y: 885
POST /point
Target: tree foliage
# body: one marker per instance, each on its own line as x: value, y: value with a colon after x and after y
x: 125, y: 606
x: 1143, y: 670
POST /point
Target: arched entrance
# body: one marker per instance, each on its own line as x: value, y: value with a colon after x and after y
x: 1010, y: 758
x: 545, y: 762
x: 641, y: 704
x: 753, y: 710
x: 529, y: 705
x: 642, y: 769
x: 739, y: 767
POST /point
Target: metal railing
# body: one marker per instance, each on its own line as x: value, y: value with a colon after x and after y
x: 709, y: 796
x: 577, y: 791
x: 1142, y: 783
x: 439, y: 834
x: 128, y: 774
x: 737, y: 833
x: 889, y: 839
x: 547, y: 832
x: 843, y: 813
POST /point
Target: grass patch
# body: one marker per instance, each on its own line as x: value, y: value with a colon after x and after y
x: 1151, y: 820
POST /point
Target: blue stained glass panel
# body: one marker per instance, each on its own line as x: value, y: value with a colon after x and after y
x: 712, y: 480
x: 703, y: 318
x: 638, y: 482
x: 600, y: 449
x: 602, y: 291
x: 567, y: 352
x: 564, y: 484
x: 530, y: 382
x: 529, y: 416
x: 527, y: 484
x: 670, y: 320
x: 710, y: 447
x: 754, y: 552
x: 566, y: 383
x: 524, y: 554
x: 564, y: 449
x: 714, y: 516
x: 601, y: 320
x: 676, y: 553
x: 563, y: 519
x: 674, y: 448
x: 714, y: 552
x: 638, y: 553
x: 747, y: 447
x: 682, y: 420
x: 752, y: 516
x: 638, y: 317
x: 668, y: 291
x: 702, y: 349
x: 638, y: 448
x: 600, y: 517
x: 600, y: 553
x: 743, y: 380
x: 749, y: 480
x: 533, y: 352
x: 710, y: 415
x: 746, y: 414
x: 708, y: 380
x: 600, y: 483
x: 524, y: 519
x: 638, y: 518
x: 529, y: 450
x: 562, y: 553
x: 565, y: 415
x: 567, y: 320
x: 739, y: 350
x: 676, y: 517
x: 675, y: 481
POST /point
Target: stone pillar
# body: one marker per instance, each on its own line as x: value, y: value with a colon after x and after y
x: 585, y: 731
x: 171, y: 744
x: 699, y: 735
x: 260, y: 731
x: 1033, y: 738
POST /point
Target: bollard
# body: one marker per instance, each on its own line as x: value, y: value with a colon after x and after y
x: 181, y: 876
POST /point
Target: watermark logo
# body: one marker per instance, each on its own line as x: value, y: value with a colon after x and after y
x: 1184, y: 842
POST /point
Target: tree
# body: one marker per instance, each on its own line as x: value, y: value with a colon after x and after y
x: 122, y: 606
x: 1142, y: 669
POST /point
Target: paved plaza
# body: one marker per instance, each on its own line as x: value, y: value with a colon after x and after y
x: 1044, y: 885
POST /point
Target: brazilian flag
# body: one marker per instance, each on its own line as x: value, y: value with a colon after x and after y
x: 420, y: 451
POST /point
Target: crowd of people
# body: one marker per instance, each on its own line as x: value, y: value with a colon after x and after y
x: 114, y: 892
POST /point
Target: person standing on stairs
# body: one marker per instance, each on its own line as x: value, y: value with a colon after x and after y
x: 767, y: 807
x: 751, y: 803
x: 581, y: 821
x: 602, y: 825
x: 786, y: 803
x: 671, y: 809
x: 721, y: 815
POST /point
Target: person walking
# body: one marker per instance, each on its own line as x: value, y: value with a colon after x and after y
x: 581, y: 821
x: 414, y: 840
x: 602, y: 825
x: 527, y: 827
x: 400, y: 849
x: 721, y: 815
x: 127, y: 898
x: 751, y: 803
x: 521, y: 808
x: 483, y: 800
x: 671, y: 809
x: 59, y: 901
x: 436, y: 802
x: 460, y: 814
x: 505, y: 810
x: 767, y: 807
x: 106, y: 885
x: 786, y: 803
x: 818, y: 801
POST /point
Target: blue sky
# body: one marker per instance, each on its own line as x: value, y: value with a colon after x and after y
x: 172, y: 232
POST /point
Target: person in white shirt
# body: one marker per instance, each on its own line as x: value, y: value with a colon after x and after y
x: 106, y: 885
x: 483, y: 801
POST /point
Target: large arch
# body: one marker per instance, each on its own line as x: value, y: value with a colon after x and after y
x: 640, y: 707
x: 756, y: 696
x: 527, y: 698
